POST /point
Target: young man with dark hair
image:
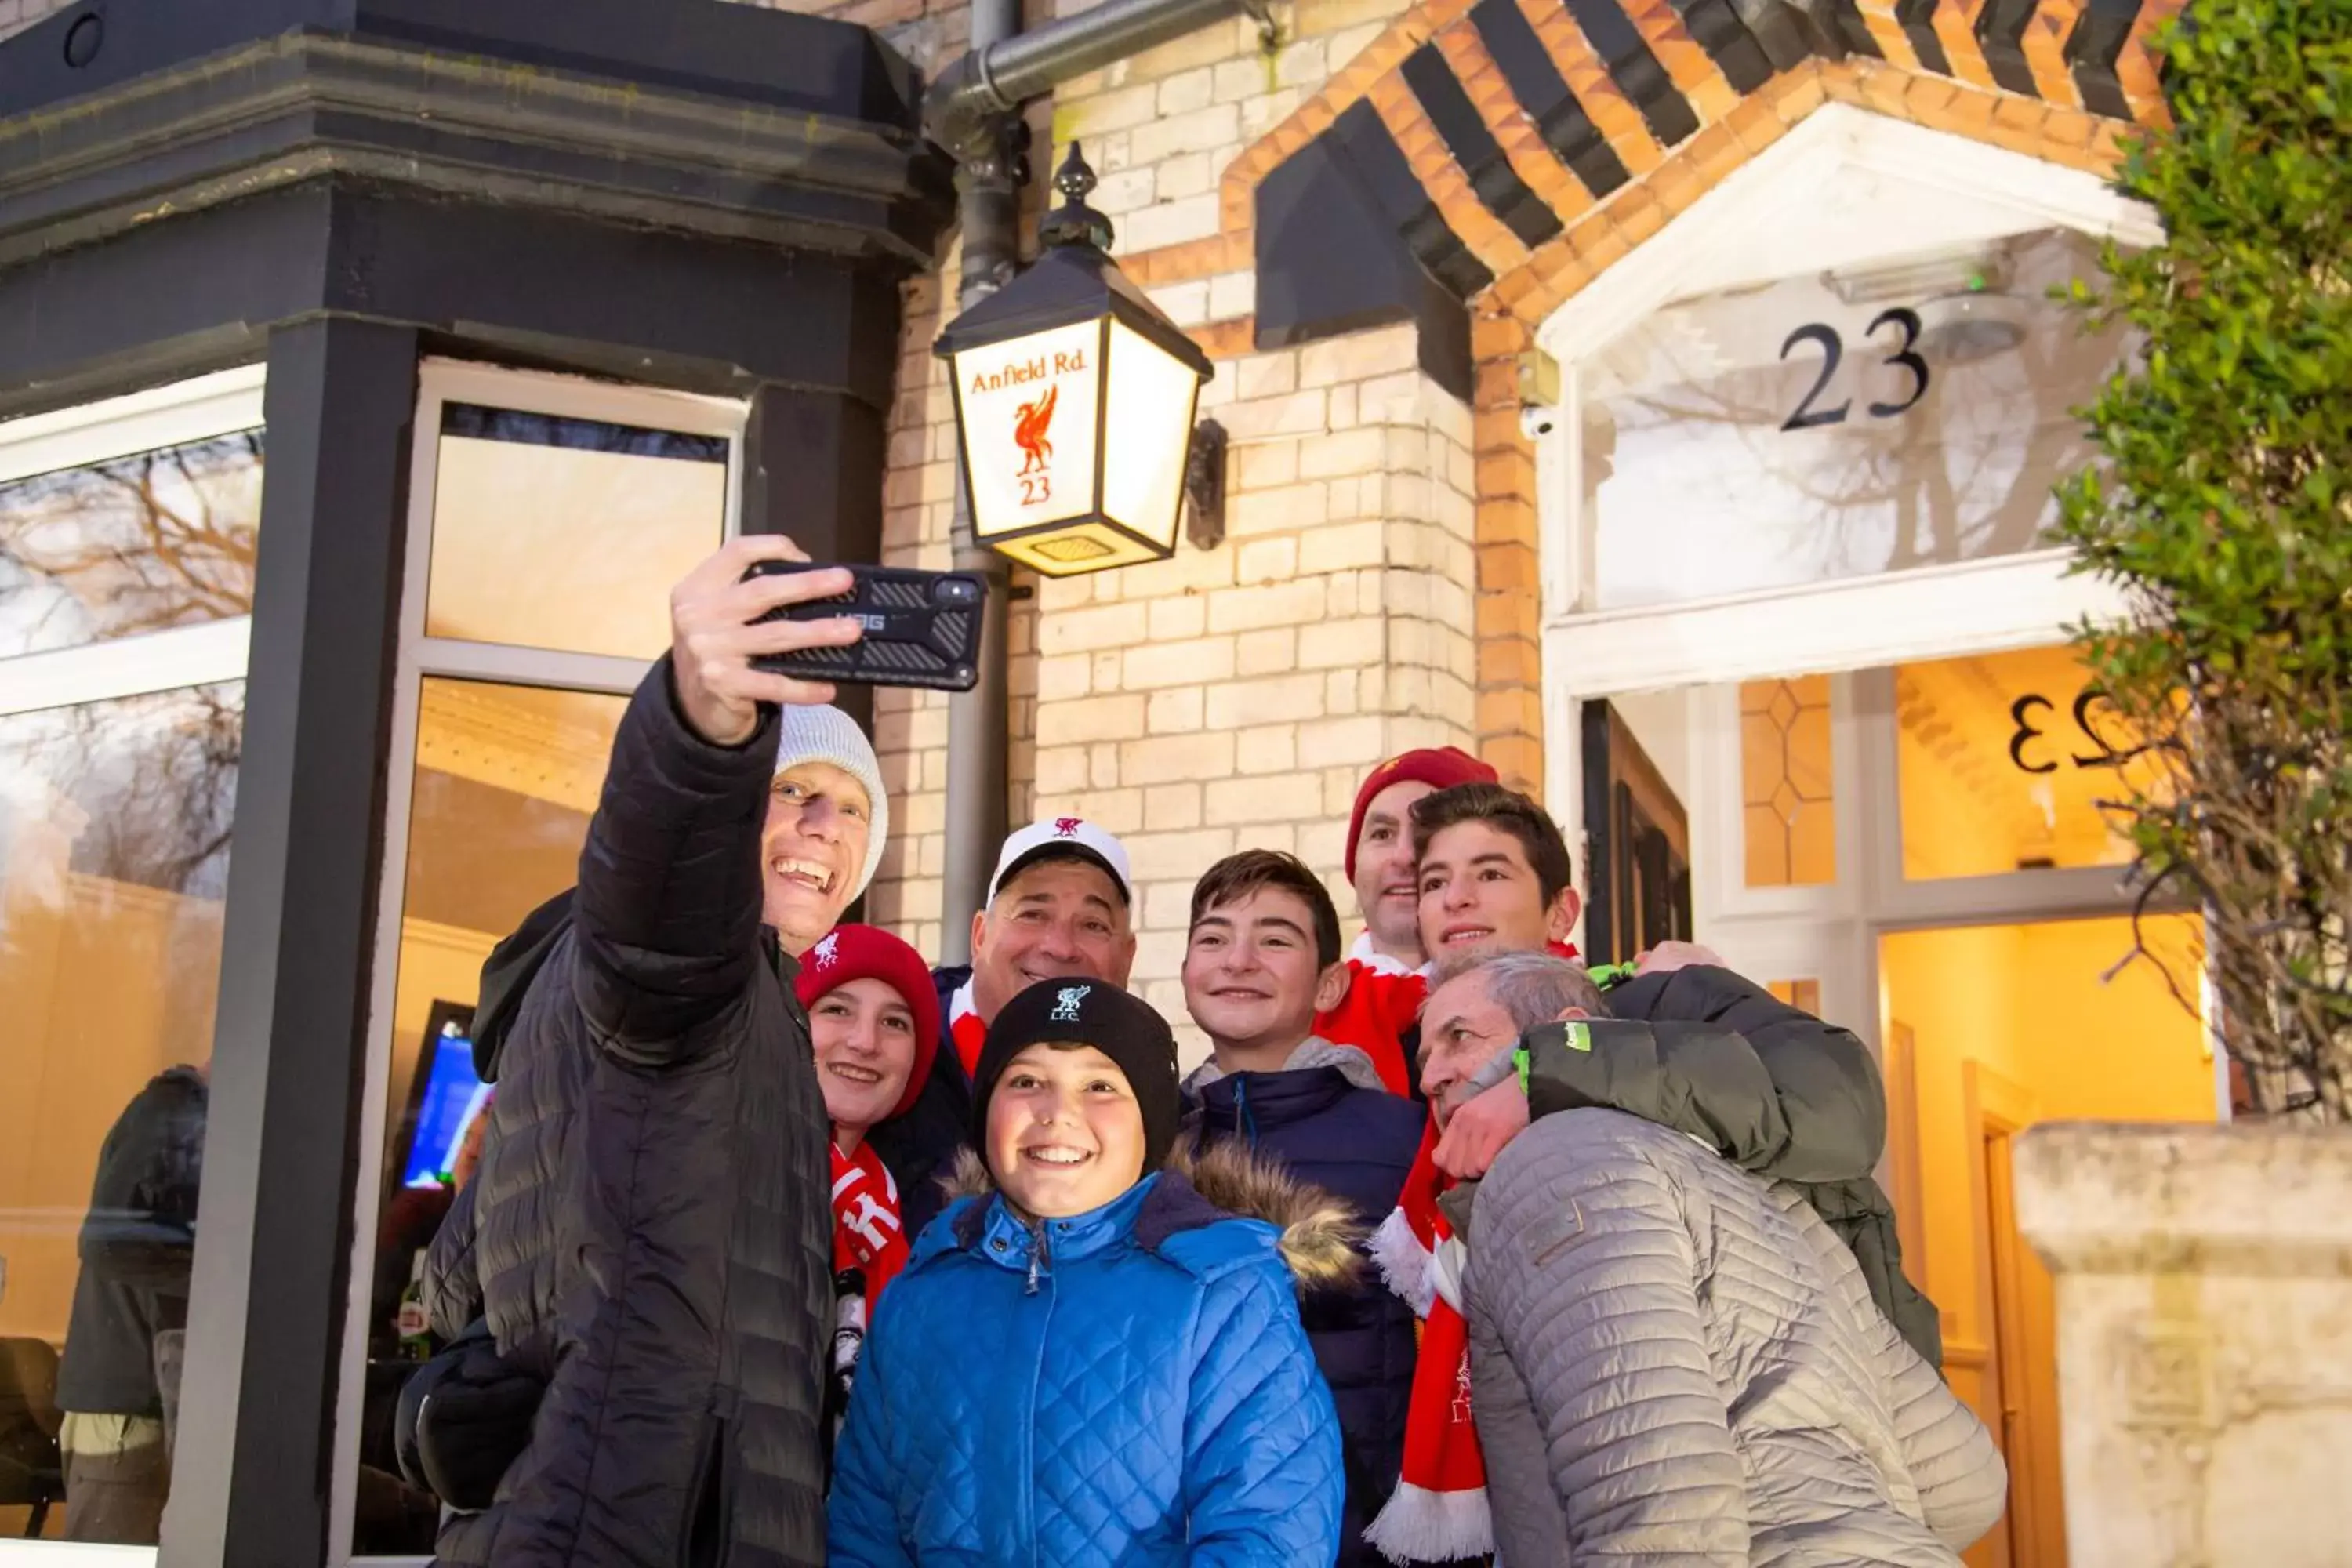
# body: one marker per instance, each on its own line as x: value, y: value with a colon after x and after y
x: 1263, y: 955
x: 1492, y: 873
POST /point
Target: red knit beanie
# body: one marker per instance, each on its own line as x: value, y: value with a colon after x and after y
x: 868, y: 953
x: 1439, y: 767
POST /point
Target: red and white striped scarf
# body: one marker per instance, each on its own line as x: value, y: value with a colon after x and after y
x: 1439, y: 1511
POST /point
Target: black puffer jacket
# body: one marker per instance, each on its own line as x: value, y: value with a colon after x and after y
x: 1775, y: 1090
x: 650, y: 1227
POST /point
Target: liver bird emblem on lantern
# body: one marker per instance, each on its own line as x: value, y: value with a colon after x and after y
x: 1030, y: 423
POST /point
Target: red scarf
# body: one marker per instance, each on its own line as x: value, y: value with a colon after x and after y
x: 866, y: 1231
x: 1439, y: 1511
x: 966, y: 1029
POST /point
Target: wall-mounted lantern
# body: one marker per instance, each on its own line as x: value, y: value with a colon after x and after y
x: 1075, y: 399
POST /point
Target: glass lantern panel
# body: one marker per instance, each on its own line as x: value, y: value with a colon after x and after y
x: 1031, y: 412
x: 1150, y: 420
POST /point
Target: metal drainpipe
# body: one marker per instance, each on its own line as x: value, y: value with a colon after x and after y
x: 969, y: 110
x: 979, y: 721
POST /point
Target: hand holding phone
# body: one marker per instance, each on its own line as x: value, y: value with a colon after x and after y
x: 723, y: 622
x: 915, y: 628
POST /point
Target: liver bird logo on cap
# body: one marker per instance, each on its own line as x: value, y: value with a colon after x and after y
x: 1066, y: 826
x: 1065, y: 1004
x: 826, y: 950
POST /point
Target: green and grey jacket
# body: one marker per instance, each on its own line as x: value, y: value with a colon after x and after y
x: 1775, y: 1091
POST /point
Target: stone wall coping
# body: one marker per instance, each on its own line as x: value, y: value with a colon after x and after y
x: 2245, y: 1198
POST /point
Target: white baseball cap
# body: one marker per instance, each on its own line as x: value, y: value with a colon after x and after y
x: 1060, y: 835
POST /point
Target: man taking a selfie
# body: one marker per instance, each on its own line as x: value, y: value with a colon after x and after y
x: 651, y: 1233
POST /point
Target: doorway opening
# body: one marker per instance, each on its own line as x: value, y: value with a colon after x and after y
x: 1998, y: 1028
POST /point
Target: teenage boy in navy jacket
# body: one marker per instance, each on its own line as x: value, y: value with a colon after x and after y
x: 1262, y: 957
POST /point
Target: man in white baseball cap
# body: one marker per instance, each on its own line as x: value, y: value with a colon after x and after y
x: 1059, y: 907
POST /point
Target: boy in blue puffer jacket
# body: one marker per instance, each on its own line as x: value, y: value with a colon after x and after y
x: 1097, y: 1358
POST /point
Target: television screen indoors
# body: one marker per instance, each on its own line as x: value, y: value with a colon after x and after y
x: 446, y: 1097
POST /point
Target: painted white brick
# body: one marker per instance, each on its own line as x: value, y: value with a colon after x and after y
x: 1266, y: 375
x: 1188, y: 663
x: 1171, y: 806
x: 1268, y: 561
x: 1090, y: 719
x: 1091, y: 117
x: 1189, y: 174
x: 1262, y: 465
x: 1358, y: 357
x: 1186, y: 615
x: 1342, y: 452
x: 1267, y: 748
x: 1349, y: 644
x: 1186, y: 304
x: 1332, y: 742
x: 1338, y: 546
x: 1270, y: 701
x: 1172, y: 759
x: 1238, y: 79
x: 1206, y: 130
x: 1174, y: 712
x: 1298, y: 413
x: 1102, y: 765
x: 1276, y: 510
x: 1276, y: 798
x: 1188, y: 90
x: 1178, y: 856
x: 1084, y: 630
x: 1271, y: 652
x: 1126, y: 191
x: 1276, y: 604
x: 1231, y: 294
x: 1171, y: 223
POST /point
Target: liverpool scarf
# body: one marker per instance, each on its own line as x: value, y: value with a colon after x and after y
x: 866, y: 1231
x: 1438, y: 1512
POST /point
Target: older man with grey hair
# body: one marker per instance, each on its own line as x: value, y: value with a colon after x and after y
x: 1675, y: 1359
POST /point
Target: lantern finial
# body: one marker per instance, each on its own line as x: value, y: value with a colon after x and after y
x: 1074, y: 221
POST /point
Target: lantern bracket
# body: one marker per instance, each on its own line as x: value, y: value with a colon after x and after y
x: 1204, y: 486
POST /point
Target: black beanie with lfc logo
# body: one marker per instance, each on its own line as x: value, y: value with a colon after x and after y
x: 1118, y: 1023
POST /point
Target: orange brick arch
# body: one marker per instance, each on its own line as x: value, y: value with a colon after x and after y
x: 1529, y: 284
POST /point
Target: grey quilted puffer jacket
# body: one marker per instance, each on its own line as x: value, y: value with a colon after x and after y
x: 1676, y: 1364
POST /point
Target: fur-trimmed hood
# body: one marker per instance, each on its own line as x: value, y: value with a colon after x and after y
x: 1318, y: 1237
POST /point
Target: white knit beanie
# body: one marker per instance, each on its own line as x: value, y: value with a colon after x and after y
x: 809, y: 735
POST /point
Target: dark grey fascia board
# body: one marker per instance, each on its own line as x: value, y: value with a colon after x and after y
x: 780, y: 59
x: 302, y: 105
x: 475, y: 279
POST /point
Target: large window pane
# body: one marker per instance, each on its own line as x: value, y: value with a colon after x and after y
x: 547, y: 532
x: 506, y: 779
x: 1835, y: 426
x: 133, y: 544
x: 2006, y: 761
x: 114, y: 845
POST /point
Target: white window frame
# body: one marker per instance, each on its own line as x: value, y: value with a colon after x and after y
x: 224, y: 402
x: 441, y: 382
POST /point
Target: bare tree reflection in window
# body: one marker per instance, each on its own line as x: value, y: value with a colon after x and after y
x: 133, y: 544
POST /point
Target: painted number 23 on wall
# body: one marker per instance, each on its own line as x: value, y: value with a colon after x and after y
x: 1833, y: 350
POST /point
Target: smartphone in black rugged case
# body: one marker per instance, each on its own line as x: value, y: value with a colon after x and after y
x: 922, y: 628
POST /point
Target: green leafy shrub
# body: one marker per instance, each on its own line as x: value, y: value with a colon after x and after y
x: 2223, y: 511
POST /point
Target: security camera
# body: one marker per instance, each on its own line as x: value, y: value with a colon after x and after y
x: 1535, y: 420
